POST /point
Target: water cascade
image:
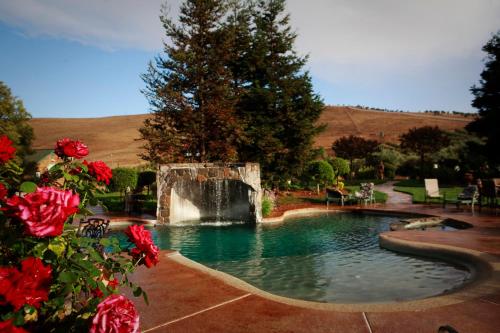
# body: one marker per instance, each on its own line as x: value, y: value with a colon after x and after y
x: 209, y: 192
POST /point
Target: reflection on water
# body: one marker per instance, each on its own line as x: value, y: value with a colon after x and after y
x: 330, y: 258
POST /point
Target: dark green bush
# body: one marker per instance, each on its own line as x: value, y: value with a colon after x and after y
x: 123, y: 178
x: 146, y: 179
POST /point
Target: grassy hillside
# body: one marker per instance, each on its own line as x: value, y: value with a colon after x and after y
x: 113, y: 139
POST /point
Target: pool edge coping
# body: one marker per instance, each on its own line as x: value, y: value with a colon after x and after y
x: 484, y: 266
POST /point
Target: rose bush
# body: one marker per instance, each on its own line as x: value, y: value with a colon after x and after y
x: 71, y: 148
x: 6, y: 149
x: 100, y: 171
x: 145, y: 247
x: 51, y: 279
x: 115, y: 314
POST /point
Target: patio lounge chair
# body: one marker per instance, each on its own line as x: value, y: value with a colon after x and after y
x: 432, y: 190
x: 469, y: 196
x: 335, y: 195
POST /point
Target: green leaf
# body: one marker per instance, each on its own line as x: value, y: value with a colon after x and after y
x: 39, y: 249
x: 137, y: 292
x: 67, y: 277
x: 57, y: 245
x: 28, y: 187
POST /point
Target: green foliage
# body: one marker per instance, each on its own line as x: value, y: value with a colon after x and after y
x: 320, y: 173
x: 277, y: 105
x: 14, y: 122
x: 78, y: 268
x: 353, y: 147
x: 231, y: 86
x: 267, y: 206
x: 390, y: 155
x: 146, y: 179
x: 190, y: 91
x: 123, y: 178
x: 487, y: 101
x: 340, y: 166
x: 423, y: 141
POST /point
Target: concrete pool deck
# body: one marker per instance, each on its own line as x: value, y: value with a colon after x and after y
x: 187, y: 297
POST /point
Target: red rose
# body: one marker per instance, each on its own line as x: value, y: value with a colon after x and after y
x: 8, y: 327
x: 45, y: 211
x: 6, y: 149
x: 100, y: 171
x: 3, y: 192
x: 28, y: 286
x: 69, y: 148
x: 145, y: 247
x: 115, y: 314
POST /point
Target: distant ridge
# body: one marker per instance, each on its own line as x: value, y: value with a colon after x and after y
x: 113, y: 139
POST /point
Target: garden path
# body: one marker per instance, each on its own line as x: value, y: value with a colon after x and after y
x: 393, y: 197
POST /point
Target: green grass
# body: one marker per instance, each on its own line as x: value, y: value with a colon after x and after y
x: 380, y: 197
x: 114, y: 201
x: 418, y: 193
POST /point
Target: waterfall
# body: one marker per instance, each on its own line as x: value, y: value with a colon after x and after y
x: 209, y: 193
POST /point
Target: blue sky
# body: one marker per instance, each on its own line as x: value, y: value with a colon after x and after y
x: 84, y: 58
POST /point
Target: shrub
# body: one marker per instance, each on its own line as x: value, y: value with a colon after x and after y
x: 340, y: 166
x: 320, y: 173
x: 146, y: 179
x: 267, y: 206
x: 123, y: 178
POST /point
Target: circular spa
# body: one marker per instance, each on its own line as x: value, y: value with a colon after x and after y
x: 333, y: 258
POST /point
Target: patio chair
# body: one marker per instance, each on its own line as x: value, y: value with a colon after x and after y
x: 488, y: 193
x: 432, y: 190
x: 469, y: 196
x: 93, y: 228
x: 366, y: 193
x: 335, y: 195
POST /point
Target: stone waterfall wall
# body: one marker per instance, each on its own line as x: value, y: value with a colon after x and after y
x: 209, y: 192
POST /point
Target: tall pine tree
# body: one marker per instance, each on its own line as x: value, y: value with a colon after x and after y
x: 190, y: 90
x: 487, y: 100
x: 278, y: 107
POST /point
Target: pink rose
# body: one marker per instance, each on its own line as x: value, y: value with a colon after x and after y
x: 115, y: 314
x: 69, y: 148
x: 45, y: 211
x: 145, y: 246
x: 100, y: 171
x: 6, y: 149
x: 29, y: 286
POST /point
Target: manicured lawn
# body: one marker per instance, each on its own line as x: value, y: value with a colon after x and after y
x: 418, y: 193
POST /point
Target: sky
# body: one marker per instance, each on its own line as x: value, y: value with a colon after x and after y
x: 69, y: 58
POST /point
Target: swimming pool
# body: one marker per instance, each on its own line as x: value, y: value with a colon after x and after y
x: 333, y: 258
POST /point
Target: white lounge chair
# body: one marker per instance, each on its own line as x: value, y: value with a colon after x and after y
x: 432, y: 190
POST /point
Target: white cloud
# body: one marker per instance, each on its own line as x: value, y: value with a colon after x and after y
x: 108, y: 24
x: 352, y: 42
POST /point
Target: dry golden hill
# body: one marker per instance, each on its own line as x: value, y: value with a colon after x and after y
x: 113, y: 139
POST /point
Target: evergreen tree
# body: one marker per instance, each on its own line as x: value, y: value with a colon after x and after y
x: 190, y: 90
x: 277, y: 107
x: 14, y: 121
x: 487, y: 100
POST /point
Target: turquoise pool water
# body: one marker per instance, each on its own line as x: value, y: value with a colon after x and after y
x: 329, y: 258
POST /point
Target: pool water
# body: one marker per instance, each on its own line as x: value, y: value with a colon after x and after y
x: 329, y: 258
